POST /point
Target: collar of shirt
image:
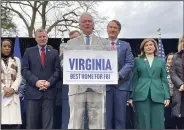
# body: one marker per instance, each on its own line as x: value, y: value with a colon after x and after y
x: 39, y: 47
x: 90, y: 38
x: 113, y: 41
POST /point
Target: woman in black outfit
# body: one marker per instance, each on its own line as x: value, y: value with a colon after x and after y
x: 177, y: 77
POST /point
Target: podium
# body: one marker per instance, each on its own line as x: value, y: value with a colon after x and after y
x: 87, y: 69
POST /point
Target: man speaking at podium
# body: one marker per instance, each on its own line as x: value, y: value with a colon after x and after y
x: 92, y: 94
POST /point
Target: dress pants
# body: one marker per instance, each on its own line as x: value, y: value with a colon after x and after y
x: 169, y: 120
x: 95, y: 110
x: 150, y: 115
x: 40, y: 114
x: 116, y: 101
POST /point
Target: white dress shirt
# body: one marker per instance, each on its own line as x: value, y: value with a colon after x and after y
x: 114, y: 42
x: 150, y: 59
x: 90, y: 38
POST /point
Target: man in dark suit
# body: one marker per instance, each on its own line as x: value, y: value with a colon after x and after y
x: 117, y: 95
x: 41, y: 70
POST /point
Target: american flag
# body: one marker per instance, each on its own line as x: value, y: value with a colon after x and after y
x: 161, y: 53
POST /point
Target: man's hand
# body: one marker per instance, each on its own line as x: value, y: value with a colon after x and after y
x: 46, y: 85
x: 40, y: 84
x: 181, y: 88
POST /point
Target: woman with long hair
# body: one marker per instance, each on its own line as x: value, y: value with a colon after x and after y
x: 10, y: 81
x: 150, y: 87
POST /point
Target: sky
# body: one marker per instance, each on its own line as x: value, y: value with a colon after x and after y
x: 140, y: 19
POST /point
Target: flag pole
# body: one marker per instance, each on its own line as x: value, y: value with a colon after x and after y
x: 159, y: 33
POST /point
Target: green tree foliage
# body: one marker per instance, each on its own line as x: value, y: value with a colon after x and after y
x: 6, y: 19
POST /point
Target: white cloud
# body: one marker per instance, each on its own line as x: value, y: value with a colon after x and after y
x: 141, y: 19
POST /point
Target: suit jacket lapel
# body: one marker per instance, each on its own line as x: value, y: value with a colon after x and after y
x: 37, y: 55
x: 118, y: 47
x: 95, y: 42
x: 80, y: 42
x: 153, y: 65
x: 147, y: 66
x: 10, y: 62
x: 4, y: 67
x: 47, y: 56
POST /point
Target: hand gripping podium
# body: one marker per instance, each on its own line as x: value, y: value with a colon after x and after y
x: 87, y: 69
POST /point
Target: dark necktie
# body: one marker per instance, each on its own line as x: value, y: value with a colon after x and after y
x: 87, y: 43
x: 43, y: 56
x: 113, y: 46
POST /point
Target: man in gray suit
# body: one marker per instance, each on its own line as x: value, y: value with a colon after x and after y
x: 92, y: 94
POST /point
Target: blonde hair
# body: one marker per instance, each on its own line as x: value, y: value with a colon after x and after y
x: 142, y: 46
x: 180, y: 47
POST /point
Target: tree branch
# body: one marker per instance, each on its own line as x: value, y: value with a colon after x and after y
x: 18, y: 13
x: 12, y: 2
x: 59, y: 21
x: 24, y: 11
x: 43, y: 14
x: 33, y: 16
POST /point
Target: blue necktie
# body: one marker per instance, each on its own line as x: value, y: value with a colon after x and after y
x: 87, y: 43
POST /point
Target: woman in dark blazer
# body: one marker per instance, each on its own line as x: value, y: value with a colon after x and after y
x: 169, y: 120
x: 177, y: 77
x: 150, y: 87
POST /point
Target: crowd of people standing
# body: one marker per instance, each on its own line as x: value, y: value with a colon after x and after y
x: 157, y: 96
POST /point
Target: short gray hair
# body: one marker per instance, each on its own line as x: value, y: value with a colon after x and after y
x: 83, y: 14
x: 40, y: 30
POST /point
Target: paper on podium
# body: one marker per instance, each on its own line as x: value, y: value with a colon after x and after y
x: 6, y: 100
x: 96, y: 65
x: 80, y: 67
